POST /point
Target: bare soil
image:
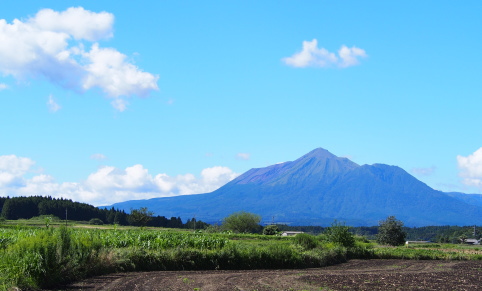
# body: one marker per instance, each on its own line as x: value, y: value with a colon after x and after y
x: 354, y: 275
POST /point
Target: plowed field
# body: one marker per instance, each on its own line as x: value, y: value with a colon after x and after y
x: 354, y: 275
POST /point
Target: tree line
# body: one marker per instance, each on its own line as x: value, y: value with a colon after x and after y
x: 440, y: 234
x: 13, y: 208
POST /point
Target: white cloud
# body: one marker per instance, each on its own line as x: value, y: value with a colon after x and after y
x: 50, y: 46
x: 120, y: 104
x: 349, y: 56
x: 108, y: 184
x: 109, y: 71
x: 12, y: 168
x: 15, y: 165
x: 471, y: 168
x: 52, y: 105
x: 3, y: 86
x: 75, y: 21
x: 98, y: 157
x: 243, y: 156
x: 312, y: 56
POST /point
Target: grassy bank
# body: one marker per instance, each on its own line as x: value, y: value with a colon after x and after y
x: 432, y: 251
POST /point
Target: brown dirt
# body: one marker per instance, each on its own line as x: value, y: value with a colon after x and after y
x: 354, y: 275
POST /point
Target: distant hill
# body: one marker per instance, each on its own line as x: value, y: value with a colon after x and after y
x: 320, y: 187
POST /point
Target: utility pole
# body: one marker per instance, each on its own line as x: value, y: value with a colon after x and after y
x: 65, y: 216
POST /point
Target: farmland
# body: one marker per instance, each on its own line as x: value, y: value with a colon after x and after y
x: 37, y: 257
x: 366, y: 275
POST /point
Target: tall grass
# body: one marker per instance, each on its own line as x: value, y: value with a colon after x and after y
x: 232, y: 257
x: 44, y: 258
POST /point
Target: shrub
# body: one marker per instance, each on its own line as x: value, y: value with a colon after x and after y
x: 361, y: 239
x: 271, y: 230
x: 213, y: 228
x: 361, y: 251
x: 306, y: 241
x: 339, y: 233
x: 96, y: 221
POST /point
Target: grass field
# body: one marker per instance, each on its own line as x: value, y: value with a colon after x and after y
x: 35, y: 256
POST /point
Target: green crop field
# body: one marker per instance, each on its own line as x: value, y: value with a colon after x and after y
x: 41, y: 257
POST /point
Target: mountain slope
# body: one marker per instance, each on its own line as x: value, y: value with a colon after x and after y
x: 472, y: 199
x: 318, y: 188
x: 317, y: 167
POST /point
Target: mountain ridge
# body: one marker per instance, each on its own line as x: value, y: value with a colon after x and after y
x: 319, y: 187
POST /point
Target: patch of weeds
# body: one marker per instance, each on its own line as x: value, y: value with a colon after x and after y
x: 440, y: 267
x: 186, y: 280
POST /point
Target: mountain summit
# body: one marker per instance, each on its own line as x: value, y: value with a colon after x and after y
x: 318, y: 188
x: 317, y: 166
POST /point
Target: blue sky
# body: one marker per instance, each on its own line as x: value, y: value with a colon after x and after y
x: 105, y: 101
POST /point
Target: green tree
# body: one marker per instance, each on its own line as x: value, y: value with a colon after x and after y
x: 242, y: 222
x: 390, y: 232
x: 140, y: 217
x: 271, y: 230
x: 110, y: 216
x: 8, y: 209
x: 340, y: 234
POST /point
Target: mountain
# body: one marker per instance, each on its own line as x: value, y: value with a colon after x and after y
x: 318, y: 188
x: 472, y: 199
